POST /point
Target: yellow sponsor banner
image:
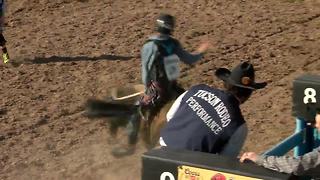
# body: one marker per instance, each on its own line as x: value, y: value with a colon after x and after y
x: 192, y: 173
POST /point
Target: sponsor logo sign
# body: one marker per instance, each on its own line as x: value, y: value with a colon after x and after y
x: 193, y: 173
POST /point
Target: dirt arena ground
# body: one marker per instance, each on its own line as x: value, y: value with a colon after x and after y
x: 65, y: 51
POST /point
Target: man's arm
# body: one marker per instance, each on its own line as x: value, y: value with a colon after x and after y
x: 148, y: 55
x: 297, y: 166
x: 187, y: 57
x: 235, y: 143
x: 175, y: 107
x: 171, y: 113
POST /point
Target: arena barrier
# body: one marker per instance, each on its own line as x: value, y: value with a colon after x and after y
x: 169, y: 164
x: 305, y: 102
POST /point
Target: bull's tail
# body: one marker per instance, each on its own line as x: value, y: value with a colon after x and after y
x: 98, y: 108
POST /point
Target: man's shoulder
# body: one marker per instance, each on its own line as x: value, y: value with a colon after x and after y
x: 198, y: 86
x: 222, y: 94
x: 149, y: 45
x: 162, y: 39
x: 204, y: 87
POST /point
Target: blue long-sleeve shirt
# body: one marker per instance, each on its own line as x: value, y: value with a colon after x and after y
x: 148, y: 55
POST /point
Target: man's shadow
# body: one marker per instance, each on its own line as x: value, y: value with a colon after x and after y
x: 55, y: 59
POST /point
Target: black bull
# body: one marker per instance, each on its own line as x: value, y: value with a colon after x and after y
x: 118, y: 112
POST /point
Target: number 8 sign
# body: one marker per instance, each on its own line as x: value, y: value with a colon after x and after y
x: 306, y: 96
x: 309, y: 96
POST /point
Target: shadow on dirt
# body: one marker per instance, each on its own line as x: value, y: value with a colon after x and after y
x: 44, y: 60
x: 55, y: 59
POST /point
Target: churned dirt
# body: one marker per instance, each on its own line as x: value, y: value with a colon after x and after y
x: 65, y: 51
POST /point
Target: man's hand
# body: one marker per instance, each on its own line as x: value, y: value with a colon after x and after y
x: 249, y: 156
x: 203, y: 47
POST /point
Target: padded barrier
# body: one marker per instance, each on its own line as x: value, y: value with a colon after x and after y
x: 169, y: 164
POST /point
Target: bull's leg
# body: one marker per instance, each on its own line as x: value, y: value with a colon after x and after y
x: 132, y: 130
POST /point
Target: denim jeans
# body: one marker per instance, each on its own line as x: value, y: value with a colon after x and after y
x: 133, y: 127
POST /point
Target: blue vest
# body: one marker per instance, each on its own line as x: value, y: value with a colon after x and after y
x: 205, y: 120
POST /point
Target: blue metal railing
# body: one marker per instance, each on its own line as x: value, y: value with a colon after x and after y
x: 303, y: 141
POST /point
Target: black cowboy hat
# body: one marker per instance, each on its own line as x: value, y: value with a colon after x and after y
x: 241, y: 76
